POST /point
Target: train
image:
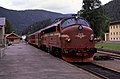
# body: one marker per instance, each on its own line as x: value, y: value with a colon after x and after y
x: 70, y: 38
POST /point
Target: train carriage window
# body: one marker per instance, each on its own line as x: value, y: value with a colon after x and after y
x: 49, y: 30
x: 68, y: 22
x: 40, y: 36
x: 58, y: 28
x: 82, y: 22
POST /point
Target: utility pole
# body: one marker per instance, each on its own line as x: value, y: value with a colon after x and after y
x: 2, y: 32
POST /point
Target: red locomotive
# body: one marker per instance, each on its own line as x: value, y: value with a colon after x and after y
x: 71, y: 38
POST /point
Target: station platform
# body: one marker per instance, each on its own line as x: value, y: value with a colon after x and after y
x: 23, y: 61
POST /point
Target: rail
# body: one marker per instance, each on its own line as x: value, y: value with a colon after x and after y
x: 109, y: 50
x: 101, y: 72
x: 113, y: 55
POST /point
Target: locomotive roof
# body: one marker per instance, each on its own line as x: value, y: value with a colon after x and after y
x: 55, y: 23
x: 34, y: 33
x: 114, y: 22
x: 59, y: 20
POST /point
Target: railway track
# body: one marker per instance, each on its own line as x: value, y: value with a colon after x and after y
x: 98, y: 70
x: 110, y: 54
x: 109, y: 50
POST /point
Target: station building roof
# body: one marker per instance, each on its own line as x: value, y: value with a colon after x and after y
x: 114, y: 22
x: 12, y: 35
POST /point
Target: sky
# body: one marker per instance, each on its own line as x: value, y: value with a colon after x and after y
x: 61, y: 6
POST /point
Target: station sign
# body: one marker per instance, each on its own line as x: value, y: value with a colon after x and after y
x: 2, y: 21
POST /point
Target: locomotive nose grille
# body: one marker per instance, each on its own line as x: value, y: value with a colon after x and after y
x: 76, y: 51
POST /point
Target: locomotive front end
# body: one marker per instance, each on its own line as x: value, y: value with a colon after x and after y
x: 77, y: 40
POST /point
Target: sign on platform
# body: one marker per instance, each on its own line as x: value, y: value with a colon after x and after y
x: 2, y: 21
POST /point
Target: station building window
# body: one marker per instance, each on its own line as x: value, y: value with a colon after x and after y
x: 116, y: 33
x: 116, y: 26
x: 111, y: 27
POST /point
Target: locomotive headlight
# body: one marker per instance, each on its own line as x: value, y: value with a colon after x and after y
x: 80, y: 27
x: 68, y: 40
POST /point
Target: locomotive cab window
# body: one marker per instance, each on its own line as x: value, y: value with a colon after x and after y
x: 68, y: 22
x: 82, y: 22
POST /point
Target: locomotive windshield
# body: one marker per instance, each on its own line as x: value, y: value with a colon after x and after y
x: 82, y: 22
x: 72, y: 21
x: 69, y: 22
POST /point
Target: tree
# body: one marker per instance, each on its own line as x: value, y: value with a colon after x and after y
x: 37, y: 26
x: 8, y: 27
x: 92, y: 11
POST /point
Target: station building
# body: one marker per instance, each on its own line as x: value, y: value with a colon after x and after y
x: 13, y: 38
x: 114, y: 32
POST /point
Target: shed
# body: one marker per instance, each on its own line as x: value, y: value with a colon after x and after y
x: 13, y: 38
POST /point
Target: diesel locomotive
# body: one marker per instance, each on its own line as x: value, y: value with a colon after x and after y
x: 71, y: 39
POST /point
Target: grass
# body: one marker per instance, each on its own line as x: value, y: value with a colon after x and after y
x: 113, y: 46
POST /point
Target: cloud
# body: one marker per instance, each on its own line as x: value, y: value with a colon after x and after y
x: 62, y: 6
x: 5, y: 3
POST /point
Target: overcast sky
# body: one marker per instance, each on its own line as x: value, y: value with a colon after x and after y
x: 61, y: 6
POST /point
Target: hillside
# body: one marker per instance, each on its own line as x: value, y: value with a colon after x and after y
x: 22, y: 19
x: 112, y: 10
